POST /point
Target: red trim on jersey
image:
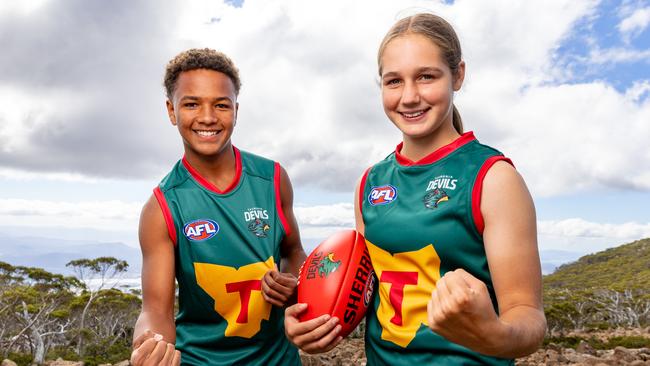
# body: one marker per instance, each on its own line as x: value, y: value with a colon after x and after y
x: 362, y: 186
x: 478, y: 190
x: 169, y: 219
x: 278, y: 199
x: 436, y: 155
x: 205, y: 183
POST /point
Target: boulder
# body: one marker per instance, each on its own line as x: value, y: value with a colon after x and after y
x: 61, y: 362
x: 622, y: 354
x: 585, y: 348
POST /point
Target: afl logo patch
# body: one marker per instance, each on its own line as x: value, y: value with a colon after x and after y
x: 382, y: 195
x: 201, y: 229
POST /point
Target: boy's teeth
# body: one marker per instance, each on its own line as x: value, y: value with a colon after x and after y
x: 207, y: 133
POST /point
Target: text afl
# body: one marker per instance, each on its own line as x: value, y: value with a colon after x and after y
x: 382, y: 195
x: 201, y: 229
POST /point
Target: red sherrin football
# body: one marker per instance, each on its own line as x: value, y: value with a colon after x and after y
x: 337, y: 279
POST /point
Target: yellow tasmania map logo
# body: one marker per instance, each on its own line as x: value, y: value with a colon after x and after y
x: 237, y: 294
x: 406, y: 281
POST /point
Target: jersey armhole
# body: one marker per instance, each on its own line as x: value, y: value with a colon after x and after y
x: 362, y: 188
x: 278, y: 199
x: 477, y: 190
x: 167, y: 214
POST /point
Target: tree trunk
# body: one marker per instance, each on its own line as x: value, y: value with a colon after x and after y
x: 39, y: 350
x: 82, y: 323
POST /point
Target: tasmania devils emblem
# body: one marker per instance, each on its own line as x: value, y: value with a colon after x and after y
x: 328, y: 265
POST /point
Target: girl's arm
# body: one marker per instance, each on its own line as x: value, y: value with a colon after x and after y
x: 460, y: 307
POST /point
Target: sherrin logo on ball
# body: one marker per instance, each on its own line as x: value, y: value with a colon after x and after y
x: 337, y: 278
x: 382, y: 195
x: 201, y: 229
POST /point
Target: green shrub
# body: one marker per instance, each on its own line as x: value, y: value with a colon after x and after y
x: 562, y: 341
x: 628, y: 342
x: 21, y: 359
x: 65, y: 352
x: 98, y: 353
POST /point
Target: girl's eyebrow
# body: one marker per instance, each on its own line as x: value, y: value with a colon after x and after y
x: 420, y: 70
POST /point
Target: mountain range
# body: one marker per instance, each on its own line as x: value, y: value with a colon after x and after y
x: 52, y: 254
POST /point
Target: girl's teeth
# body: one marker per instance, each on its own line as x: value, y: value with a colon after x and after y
x: 413, y: 115
x: 207, y: 133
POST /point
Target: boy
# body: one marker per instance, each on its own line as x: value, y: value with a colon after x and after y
x: 222, y: 223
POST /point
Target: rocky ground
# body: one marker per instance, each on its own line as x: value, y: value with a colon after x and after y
x: 350, y: 352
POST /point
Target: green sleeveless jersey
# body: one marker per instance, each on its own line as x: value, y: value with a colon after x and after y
x: 225, y: 241
x: 423, y: 219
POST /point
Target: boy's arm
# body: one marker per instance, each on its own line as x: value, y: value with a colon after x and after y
x: 291, y: 247
x: 155, y: 332
x: 278, y: 287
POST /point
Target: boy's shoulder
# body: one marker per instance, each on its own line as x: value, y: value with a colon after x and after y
x: 257, y: 165
x: 176, y: 176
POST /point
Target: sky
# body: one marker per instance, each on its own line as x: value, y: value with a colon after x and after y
x: 561, y: 87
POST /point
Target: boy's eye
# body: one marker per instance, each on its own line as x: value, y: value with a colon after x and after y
x: 427, y: 77
x: 392, y: 81
x: 190, y: 105
x: 222, y: 106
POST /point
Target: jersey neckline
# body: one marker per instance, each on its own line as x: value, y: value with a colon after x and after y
x: 211, y: 187
x: 438, y: 154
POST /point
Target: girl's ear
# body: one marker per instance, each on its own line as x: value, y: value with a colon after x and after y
x: 460, y: 76
x: 170, y: 112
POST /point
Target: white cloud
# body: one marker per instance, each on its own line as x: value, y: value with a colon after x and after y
x: 22, y: 175
x: 635, y: 23
x: 310, y: 99
x: 338, y: 215
x: 577, y: 227
x: 638, y: 90
x: 617, y: 55
x: 580, y: 236
x: 27, y: 112
x: 21, y: 8
x: 101, y: 215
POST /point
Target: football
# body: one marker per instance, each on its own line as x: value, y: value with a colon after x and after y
x: 337, y: 279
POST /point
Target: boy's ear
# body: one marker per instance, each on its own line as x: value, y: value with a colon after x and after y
x: 170, y: 112
x: 234, y: 123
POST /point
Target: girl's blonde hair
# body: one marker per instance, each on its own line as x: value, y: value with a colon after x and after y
x: 441, y: 33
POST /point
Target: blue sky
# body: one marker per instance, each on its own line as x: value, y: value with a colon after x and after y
x: 560, y: 87
x: 602, y: 31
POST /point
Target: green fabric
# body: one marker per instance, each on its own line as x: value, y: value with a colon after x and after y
x: 424, y: 233
x: 245, y: 246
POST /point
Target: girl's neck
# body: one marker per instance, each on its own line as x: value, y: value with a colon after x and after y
x: 416, y: 148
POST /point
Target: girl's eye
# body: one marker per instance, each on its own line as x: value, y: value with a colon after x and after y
x: 427, y: 77
x: 392, y: 82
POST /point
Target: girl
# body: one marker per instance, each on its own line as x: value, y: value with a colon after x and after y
x: 449, y: 223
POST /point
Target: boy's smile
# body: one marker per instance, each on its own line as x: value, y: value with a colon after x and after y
x: 204, y: 108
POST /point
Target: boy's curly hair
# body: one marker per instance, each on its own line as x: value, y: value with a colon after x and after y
x: 197, y: 58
